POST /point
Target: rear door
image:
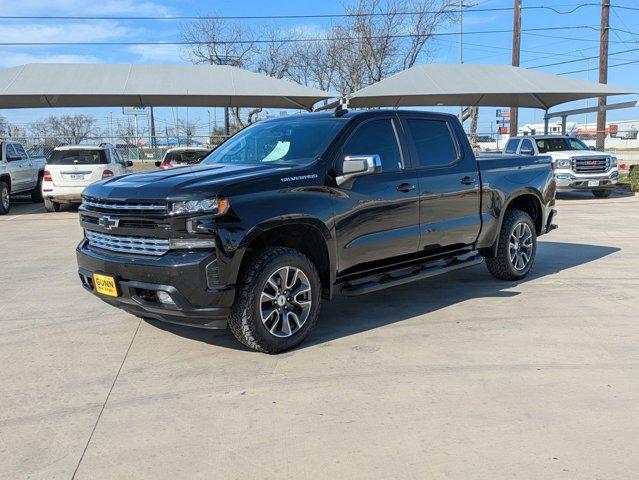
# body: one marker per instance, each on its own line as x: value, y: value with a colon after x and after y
x: 77, y: 167
x: 28, y: 169
x: 377, y: 217
x: 449, y: 186
x: 18, y: 168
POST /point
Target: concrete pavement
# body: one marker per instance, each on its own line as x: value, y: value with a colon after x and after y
x: 460, y: 376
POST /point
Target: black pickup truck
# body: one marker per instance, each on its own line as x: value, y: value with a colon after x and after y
x: 291, y: 211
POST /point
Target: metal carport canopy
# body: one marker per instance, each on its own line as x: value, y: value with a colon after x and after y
x: 477, y: 85
x: 109, y: 85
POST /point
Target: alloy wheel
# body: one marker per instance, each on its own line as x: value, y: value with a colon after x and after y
x: 5, y: 198
x: 520, y: 246
x: 285, y: 301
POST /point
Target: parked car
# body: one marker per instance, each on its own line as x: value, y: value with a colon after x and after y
x: 577, y: 167
x: 71, y: 168
x: 19, y: 173
x: 293, y: 210
x: 180, y: 156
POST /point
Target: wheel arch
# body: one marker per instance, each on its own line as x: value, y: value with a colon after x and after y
x: 527, y: 200
x: 6, y: 178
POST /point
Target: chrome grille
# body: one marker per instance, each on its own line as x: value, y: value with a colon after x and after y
x: 590, y: 164
x: 127, y: 244
x: 118, y: 206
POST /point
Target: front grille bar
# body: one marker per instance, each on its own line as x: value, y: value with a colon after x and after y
x: 98, y: 204
x: 127, y: 244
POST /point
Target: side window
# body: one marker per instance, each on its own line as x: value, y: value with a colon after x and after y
x: 526, y: 145
x: 11, y: 153
x: 20, y: 151
x: 511, y: 146
x: 376, y: 137
x: 433, y: 142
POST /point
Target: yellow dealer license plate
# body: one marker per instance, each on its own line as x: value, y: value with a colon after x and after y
x: 105, y: 285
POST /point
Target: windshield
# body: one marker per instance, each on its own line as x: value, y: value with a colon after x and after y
x: 185, y: 156
x: 77, y: 157
x: 291, y: 142
x: 558, y: 144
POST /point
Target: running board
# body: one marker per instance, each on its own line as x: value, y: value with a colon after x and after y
x: 387, y: 280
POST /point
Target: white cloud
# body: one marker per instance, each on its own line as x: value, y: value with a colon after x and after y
x: 84, y: 7
x: 64, y: 32
x: 11, y: 58
x: 159, y: 53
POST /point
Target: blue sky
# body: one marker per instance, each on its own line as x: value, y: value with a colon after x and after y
x: 537, y: 48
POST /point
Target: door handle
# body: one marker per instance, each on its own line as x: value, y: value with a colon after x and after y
x: 467, y: 180
x: 405, y: 187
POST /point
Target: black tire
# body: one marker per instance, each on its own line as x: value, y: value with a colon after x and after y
x: 5, y: 198
x: 602, y: 193
x: 36, y: 193
x: 501, y: 266
x: 245, y: 321
x: 51, y: 206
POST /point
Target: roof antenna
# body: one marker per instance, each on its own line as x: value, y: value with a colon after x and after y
x: 342, y: 108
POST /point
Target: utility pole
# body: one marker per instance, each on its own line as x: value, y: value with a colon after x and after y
x: 461, y: 49
x: 603, y: 72
x: 516, y: 45
x: 153, y: 139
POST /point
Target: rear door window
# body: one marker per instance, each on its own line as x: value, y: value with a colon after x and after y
x: 511, y: 146
x: 376, y: 137
x: 78, y: 157
x: 526, y: 144
x: 433, y: 141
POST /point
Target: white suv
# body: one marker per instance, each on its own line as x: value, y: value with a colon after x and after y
x: 71, y: 168
x: 577, y: 167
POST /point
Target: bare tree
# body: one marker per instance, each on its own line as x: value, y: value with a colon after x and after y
x: 4, y: 127
x: 127, y: 132
x: 186, y: 130
x: 72, y: 129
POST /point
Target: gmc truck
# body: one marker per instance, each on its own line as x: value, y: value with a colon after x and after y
x: 577, y: 167
x: 292, y: 211
x: 19, y: 173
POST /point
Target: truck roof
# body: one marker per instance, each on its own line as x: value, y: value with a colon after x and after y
x: 543, y: 137
x: 350, y: 114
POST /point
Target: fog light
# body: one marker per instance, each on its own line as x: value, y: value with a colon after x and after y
x: 165, y: 298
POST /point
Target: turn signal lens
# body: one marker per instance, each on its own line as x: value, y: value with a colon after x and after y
x: 107, y: 174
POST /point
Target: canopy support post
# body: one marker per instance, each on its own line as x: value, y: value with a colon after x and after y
x: 563, y: 124
x: 546, y: 122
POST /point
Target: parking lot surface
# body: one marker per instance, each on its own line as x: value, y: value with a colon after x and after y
x: 459, y: 376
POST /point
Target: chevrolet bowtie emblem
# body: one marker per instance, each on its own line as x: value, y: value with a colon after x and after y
x: 108, y: 222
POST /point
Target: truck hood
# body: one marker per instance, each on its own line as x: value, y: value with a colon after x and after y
x: 576, y: 153
x: 195, y: 181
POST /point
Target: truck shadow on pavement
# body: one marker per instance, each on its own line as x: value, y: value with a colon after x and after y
x: 346, y: 316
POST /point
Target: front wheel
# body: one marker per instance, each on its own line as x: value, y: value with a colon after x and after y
x: 602, y: 193
x: 516, y: 248
x: 277, y: 301
x: 5, y: 198
x: 51, y: 206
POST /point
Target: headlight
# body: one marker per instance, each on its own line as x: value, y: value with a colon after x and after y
x: 563, y: 163
x: 217, y: 206
x: 613, y: 161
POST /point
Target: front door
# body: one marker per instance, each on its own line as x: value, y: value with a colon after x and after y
x: 377, y: 216
x: 449, y: 185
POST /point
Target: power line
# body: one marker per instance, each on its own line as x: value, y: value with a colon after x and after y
x: 285, y: 40
x: 287, y: 17
x: 584, y: 58
x: 597, y: 68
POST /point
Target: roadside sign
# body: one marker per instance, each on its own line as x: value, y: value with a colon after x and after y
x: 503, y: 112
x: 134, y: 110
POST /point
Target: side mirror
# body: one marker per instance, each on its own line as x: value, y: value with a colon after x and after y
x: 358, y: 165
x: 129, y: 163
x: 158, y: 163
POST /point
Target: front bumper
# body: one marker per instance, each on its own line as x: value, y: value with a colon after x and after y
x: 571, y: 181
x: 181, y: 275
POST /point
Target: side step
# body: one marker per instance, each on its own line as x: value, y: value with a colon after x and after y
x: 406, y: 275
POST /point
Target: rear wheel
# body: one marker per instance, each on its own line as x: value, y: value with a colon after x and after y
x: 51, y: 206
x: 516, y: 248
x: 277, y: 301
x: 36, y: 193
x: 602, y: 193
x: 5, y: 198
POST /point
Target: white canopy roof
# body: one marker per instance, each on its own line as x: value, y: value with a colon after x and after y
x: 477, y: 85
x: 108, y: 85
